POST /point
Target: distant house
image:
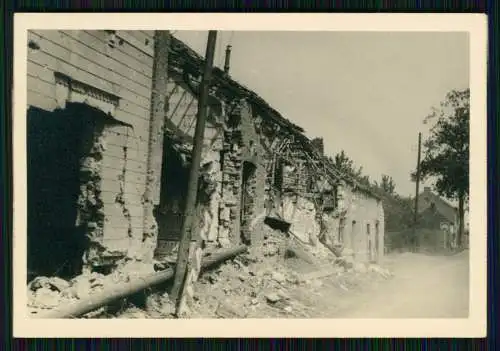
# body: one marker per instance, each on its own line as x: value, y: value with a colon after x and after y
x: 436, y: 214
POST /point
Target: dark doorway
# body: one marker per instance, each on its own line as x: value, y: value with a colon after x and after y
x: 174, y: 185
x: 56, y: 142
x: 247, y: 200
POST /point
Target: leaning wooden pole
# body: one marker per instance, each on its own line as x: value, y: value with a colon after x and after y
x: 138, y: 284
x: 186, y: 234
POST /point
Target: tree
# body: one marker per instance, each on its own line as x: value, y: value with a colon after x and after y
x: 446, y: 151
x: 388, y: 184
x: 364, y: 179
x: 343, y: 163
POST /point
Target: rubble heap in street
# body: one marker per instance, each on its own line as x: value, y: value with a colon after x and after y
x: 281, y: 279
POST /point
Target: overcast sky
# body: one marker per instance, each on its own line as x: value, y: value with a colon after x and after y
x: 364, y: 92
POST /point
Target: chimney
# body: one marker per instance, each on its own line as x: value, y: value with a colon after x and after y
x: 318, y: 145
x: 228, y: 59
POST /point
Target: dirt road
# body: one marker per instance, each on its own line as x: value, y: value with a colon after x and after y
x: 422, y: 287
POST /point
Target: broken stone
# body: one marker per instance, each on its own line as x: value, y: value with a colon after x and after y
x: 226, y: 310
x: 254, y: 302
x: 99, y: 312
x: 279, y: 277
x: 288, y: 309
x: 283, y: 295
x: 53, y: 283
x: 273, y: 297
x: 46, y: 298
x: 360, y: 267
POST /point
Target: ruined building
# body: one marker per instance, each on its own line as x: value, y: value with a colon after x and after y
x: 106, y: 184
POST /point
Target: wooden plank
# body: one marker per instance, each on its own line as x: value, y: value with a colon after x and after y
x: 112, y: 210
x: 135, y: 179
x: 132, y: 177
x: 136, y: 166
x: 117, y: 84
x: 132, y: 141
x: 98, y: 40
x: 97, y: 54
x: 36, y: 84
x: 132, y: 154
x: 118, y: 163
x: 139, y: 35
x: 47, y: 89
x: 175, y: 101
x: 137, y: 155
x: 116, y: 244
x: 114, y: 186
x: 111, y: 169
x: 136, y: 43
x: 140, y: 123
x: 143, y: 39
x: 191, y: 102
x: 40, y: 100
x: 149, y: 33
x: 108, y: 197
x: 54, y: 64
x: 124, y: 48
x: 118, y: 223
x: 134, y: 188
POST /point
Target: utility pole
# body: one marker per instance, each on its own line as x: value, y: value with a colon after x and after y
x: 192, y: 191
x: 417, y: 183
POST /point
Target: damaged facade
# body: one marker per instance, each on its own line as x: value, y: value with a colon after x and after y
x: 95, y: 88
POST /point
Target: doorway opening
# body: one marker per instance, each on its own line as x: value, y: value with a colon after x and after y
x: 247, y: 200
x: 173, y: 192
x: 59, y: 144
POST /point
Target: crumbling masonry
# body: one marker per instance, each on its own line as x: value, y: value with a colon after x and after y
x: 255, y: 163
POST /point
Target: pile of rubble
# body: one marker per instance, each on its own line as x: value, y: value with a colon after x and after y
x: 271, y: 283
x: 50, y: 292
x: 47, y: 293
x: 278, y: 279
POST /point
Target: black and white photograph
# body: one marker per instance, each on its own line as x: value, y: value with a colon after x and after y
x: 270, y: 174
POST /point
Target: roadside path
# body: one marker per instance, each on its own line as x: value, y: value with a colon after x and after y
x: 422, y: 287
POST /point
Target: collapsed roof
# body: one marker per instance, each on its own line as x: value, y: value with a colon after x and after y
x: 182, y: 57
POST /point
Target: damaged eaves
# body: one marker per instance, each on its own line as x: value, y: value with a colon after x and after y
x: 186, y: 61
x: 186, y: 58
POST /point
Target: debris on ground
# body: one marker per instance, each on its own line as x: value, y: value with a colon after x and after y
x: 259, y: 284
x: 281, y: 278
